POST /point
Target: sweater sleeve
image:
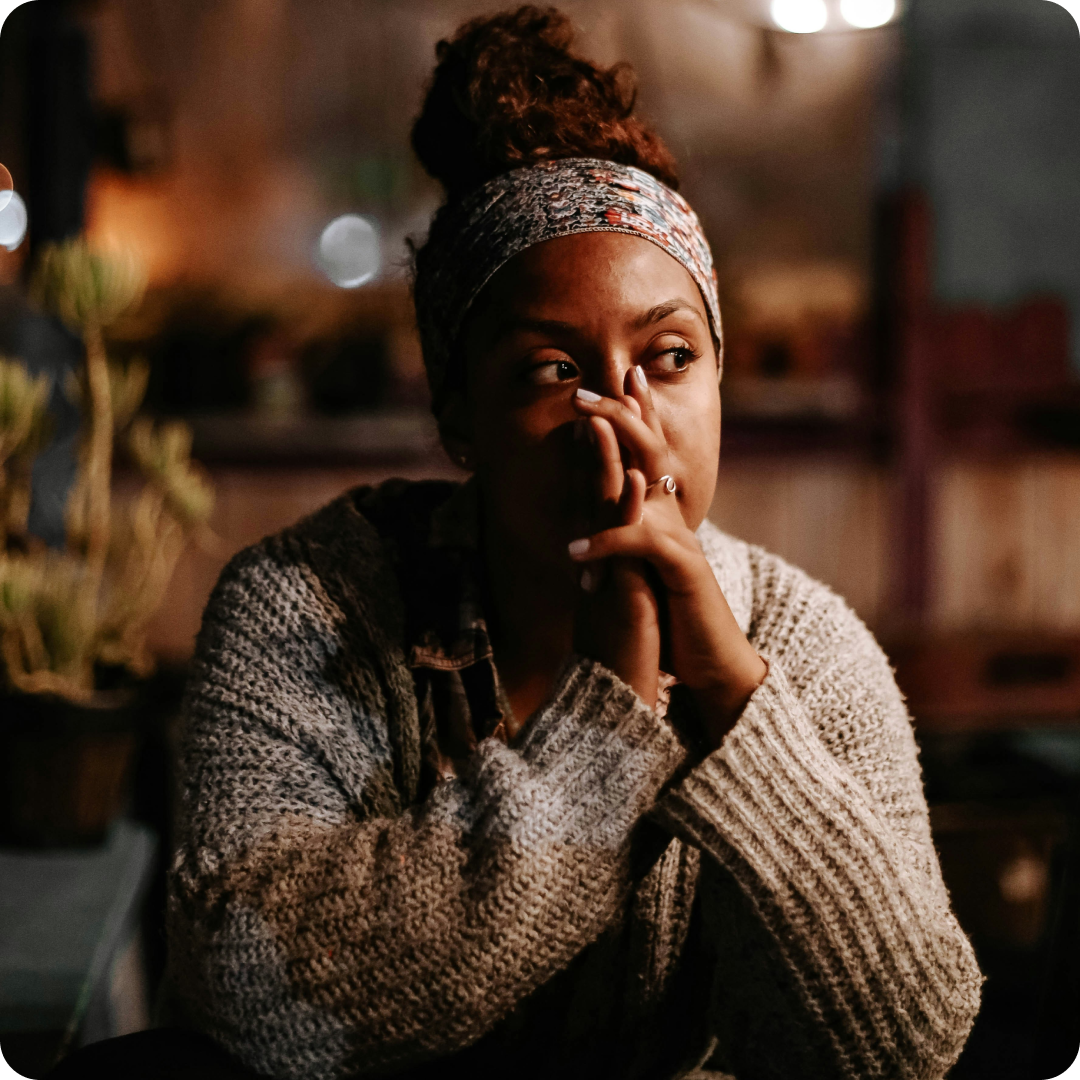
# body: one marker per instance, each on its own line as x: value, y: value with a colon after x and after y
x: 315, y: 935
x: 837, y: 953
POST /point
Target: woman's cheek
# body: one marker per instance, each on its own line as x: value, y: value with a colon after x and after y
x: 529, y: 447
x: 694, y: 443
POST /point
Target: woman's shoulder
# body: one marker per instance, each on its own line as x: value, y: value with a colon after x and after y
x: 781, y: 607
x: 335, y: 565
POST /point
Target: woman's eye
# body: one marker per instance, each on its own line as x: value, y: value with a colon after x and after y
x: 672, y: 360
x: 555, y: 371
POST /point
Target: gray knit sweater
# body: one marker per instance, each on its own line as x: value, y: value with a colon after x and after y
x: 596, y: 898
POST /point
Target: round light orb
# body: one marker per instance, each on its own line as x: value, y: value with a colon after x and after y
x: 800, y: 16
x: 349, y: 251
x: 866, y: 14
x: 13, y: 220
x: 7, y: 186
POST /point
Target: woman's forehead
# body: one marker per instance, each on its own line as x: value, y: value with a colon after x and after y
x: 628, y: 276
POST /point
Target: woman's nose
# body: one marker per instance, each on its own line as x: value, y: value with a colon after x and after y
x: 610, y: 380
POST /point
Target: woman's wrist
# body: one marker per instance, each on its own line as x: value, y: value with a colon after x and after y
x: 618, y: 626
x: 713, y: 657
x: 722, y: 700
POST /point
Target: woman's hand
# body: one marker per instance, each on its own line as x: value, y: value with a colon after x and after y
x: 708, y: 652
x: 618, y: 619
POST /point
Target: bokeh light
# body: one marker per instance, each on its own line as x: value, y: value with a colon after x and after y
x: 7, y: 187
x: 13, y: 220
x: 866, y: 14
x: 349, y: 251
x: 800, y: 16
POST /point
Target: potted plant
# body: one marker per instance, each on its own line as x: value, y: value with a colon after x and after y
x: 72, y: 621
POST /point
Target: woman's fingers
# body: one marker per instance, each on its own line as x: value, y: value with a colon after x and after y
x: 633, y: 500
x: 672, y: 560
x: 610, y: 476
x: 635, y: 540
x: 636, y: 387
x: 610, y: 486
x: 649, y: 451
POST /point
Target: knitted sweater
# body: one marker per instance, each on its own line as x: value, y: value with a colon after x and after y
x: 595, y: 898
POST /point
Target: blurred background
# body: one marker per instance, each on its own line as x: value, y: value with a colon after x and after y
x: 892, y: 195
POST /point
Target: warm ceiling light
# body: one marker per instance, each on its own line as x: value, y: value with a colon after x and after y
x: 800, y: 16
x: 866, y: 14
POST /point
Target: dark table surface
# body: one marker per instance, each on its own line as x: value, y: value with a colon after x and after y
x: 64, y: 915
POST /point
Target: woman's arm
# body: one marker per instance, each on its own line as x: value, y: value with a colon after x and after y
x: 837, y: 952
x: 316, y: 934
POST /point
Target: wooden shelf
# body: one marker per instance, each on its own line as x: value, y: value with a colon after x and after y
x: 386, y: 437
x: 968, y: 683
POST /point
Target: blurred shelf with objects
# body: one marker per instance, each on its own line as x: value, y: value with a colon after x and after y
x: 890, y: 192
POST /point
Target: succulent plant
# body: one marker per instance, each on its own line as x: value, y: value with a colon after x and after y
x: 47, y: 641
x: 127, y: 388
x: 86, y: 288
x: 24, y: 430
x: 24, y: 401
x: 163, y: 454
x: 63, y: 613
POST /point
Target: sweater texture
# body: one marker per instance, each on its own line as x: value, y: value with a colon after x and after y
x: 596, y: 898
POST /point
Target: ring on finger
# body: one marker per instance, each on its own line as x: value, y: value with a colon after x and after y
x: 667, y: 483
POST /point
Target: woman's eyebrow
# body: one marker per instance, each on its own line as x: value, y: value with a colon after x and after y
x: 662, y: 311
x: 516, y: 323
x: 655, y: 314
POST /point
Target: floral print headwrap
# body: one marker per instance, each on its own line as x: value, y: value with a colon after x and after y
x: 471, y: 239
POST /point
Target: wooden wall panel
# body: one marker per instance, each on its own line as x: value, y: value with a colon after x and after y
x: 1007, y: 545
x: 829, y: 517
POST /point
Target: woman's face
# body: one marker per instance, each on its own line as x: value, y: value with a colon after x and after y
x: 580, y: 312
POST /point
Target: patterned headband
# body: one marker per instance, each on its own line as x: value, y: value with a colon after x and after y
x: 471, y: 239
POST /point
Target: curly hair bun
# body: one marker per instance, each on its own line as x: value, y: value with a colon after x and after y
x: 508, y: 91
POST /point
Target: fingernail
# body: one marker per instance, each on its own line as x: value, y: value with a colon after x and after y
x: 579, y: 548
x: 588, y: 580
x: 588, y: 395
x: 639, y: 373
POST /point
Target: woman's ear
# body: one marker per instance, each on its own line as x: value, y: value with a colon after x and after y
x: 455, y: 430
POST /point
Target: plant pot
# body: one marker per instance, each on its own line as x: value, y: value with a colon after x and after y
x: 65, y: 768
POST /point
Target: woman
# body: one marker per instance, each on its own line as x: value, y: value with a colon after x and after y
x: 544, y: 775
